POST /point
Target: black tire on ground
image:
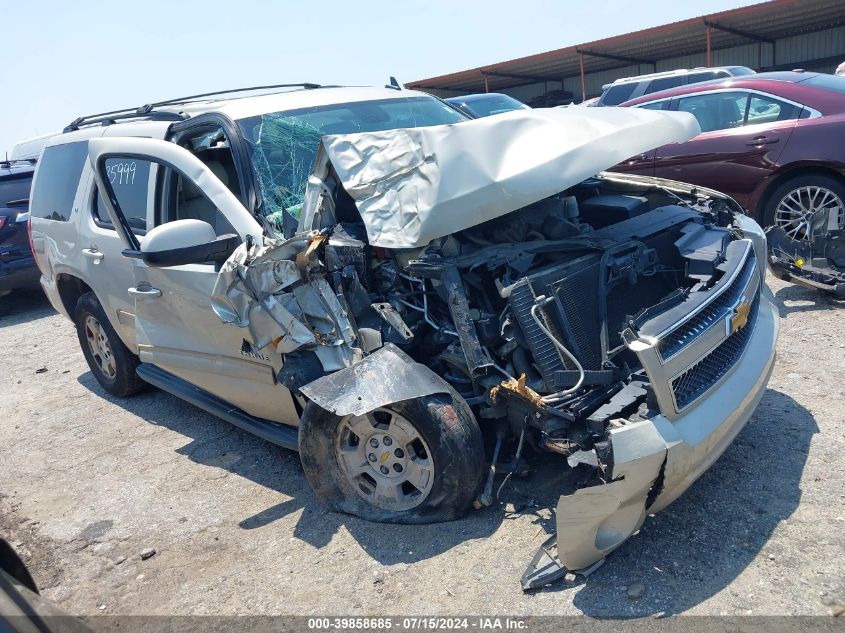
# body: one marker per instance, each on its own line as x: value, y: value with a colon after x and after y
x: 445, y: 423
x: 810, y: 179
x: 124, y: 381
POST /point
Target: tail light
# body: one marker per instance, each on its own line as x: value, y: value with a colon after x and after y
x: 3, y: 220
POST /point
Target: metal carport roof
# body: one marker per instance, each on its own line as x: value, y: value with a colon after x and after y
x: 764, y: 22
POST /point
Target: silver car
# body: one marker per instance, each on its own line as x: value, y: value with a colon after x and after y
x: 366, y: 277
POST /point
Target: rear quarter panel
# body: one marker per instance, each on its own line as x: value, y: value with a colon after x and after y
x: 814, y: 144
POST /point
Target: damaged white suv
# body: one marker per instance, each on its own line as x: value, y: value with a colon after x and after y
x: 364, y: 276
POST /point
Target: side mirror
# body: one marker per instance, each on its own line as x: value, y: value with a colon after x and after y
x: 184, y: 242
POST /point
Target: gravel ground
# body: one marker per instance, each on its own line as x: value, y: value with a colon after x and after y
x: 88, y: 482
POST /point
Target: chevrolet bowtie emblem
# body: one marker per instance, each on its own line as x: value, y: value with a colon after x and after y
x: 740, y: 317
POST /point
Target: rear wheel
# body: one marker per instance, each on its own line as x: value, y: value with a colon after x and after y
x: 793, y: 204
x: 417, y: 461
x: 111, y: 362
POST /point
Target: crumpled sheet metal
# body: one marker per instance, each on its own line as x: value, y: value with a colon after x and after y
x: 414, y: 185
x: 594, y: 521
x: 385, y: 376
x: 246, y: 293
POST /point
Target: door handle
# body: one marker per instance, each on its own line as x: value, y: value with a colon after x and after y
x: 763, y: 140
x: 94, y: 254
x: 145, y: 291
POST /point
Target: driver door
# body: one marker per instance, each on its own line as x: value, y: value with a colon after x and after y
x: 176, y: 328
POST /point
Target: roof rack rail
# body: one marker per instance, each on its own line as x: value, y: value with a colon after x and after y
x: 148, y: 110
x: 107, y: 118
x: 8, y: 163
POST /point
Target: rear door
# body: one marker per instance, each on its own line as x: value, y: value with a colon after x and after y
x: 175, y: 325
x: 742, y: 136
x: 102, y: 263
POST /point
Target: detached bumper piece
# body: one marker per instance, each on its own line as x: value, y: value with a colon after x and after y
x: 816, y: 263
x: 594, y: 521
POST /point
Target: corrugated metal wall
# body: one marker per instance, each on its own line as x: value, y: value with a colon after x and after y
x: 797, y: 51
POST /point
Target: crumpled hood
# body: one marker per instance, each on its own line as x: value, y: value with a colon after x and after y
x: 413, y: 185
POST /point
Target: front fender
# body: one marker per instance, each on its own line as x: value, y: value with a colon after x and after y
x: 387, y: 375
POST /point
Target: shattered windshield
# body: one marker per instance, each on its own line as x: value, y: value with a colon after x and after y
x: 283, y: 145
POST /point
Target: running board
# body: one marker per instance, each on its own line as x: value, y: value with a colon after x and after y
x: 286, y: 436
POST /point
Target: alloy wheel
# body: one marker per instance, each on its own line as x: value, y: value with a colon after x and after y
x: 385, y: 459
x: 795, y: 212
x: 98, y: 343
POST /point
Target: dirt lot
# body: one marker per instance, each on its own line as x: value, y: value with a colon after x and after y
x: 88, y: 482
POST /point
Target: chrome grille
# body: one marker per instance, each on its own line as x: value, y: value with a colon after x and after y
x: 677, y: 339
x: 690, y: 385
x: 687, y: 360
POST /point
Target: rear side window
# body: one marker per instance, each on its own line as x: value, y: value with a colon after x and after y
x: 130, y: 179
x: 14, y: 191
x: 664, y: 83
x: 768, y: 110
x: 58, y: 178
x: 619, y: 93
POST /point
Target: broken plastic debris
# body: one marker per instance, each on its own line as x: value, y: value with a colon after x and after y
x: 517, y: 386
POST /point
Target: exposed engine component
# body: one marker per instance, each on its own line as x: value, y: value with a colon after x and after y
x: 536, y: 316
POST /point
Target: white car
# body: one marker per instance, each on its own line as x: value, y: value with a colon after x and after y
x: 362, y: 275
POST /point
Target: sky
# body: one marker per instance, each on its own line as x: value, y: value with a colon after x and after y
x: 65, y: 58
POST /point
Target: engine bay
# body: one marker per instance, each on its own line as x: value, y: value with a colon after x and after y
x: 524, y: 315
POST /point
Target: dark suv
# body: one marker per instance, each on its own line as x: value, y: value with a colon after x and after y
x: 17, y: 265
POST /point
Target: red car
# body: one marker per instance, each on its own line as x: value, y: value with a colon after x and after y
x: 774, y: 141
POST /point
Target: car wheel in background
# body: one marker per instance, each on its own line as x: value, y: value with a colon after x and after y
x: 417, y: 461
x: 792, y: 205
x: 111, y: 362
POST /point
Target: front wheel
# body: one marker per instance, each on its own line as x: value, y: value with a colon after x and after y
x: 417, y: 461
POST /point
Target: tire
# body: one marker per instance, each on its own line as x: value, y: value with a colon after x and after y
x: 91, y: 323
x: 794, y: 185
x: 452, y: 451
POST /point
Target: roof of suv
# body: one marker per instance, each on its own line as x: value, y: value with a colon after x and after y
x: 16, y: 168
x: 239, y: 106
x: 668, y: 73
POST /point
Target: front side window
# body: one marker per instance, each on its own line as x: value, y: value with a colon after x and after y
x: 130, y: 180
x: 58, y: 179
x: 182, y: 199
x: 716, y: 110
x: 283, y: 145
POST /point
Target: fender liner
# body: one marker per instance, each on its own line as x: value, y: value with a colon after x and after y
x: 385, y: 376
